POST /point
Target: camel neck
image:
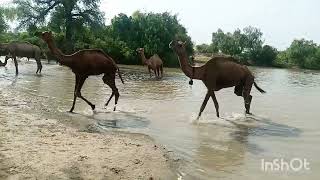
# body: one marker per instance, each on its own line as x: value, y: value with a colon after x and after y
x: 143, y: 58
x: 190, y: 71
x: 62, y: 58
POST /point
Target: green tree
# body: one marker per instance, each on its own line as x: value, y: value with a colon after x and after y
x: 300, y: 51
x: 152, y: 31
x: 245, y: 45
x: 267, y: 56
x: 65, y: 15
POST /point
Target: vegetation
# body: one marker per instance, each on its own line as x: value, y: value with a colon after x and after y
x: 248, y: 46
x: 78, y: 24
x: 76, y: 27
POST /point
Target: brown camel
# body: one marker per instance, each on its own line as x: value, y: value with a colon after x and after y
x: 218, y: 73
x: 22, y: 49
x: 85, y: 63
x: 154, y: 63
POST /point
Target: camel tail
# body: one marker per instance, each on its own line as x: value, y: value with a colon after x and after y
x: 120, y: 76
x: 259, y: 89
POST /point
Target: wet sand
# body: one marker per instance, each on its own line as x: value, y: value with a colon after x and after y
x: 35, y: 147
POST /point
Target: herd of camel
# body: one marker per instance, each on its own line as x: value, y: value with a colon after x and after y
x: 218, y: 73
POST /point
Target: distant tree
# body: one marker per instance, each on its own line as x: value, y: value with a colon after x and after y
x: 63, y: 15
x: 152, y: 31
x: 253, y: 42
x: 267, y: 56
x: 300, y: 51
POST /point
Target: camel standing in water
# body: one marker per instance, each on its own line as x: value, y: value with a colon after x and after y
x: 22, y: 49
x: 85, y: 63
x: 154, y: 63
x: 218, y: 73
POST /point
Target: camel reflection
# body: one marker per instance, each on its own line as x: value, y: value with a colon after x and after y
x: 223, y: 149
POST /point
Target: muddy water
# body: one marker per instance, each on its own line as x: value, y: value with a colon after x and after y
x: 285, y: 123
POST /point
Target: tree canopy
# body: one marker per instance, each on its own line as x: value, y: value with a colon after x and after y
x: 61, y: 15
x: 246, y: 45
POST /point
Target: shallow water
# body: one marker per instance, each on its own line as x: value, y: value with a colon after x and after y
x: 285, y: 123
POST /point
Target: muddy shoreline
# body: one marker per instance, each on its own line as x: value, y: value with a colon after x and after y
x: 35, y: 146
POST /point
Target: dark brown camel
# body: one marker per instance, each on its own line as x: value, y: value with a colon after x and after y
x: 218, y: 73
x: 155, y: 63
x: 22, y: 49
x: 85, y: 63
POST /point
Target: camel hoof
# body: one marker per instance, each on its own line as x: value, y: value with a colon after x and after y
x: 115, y: 107
x: 71, y: 111
x: 93, y: 107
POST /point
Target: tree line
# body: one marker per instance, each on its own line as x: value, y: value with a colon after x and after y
x: 78, y: 24
x: 248, y: 46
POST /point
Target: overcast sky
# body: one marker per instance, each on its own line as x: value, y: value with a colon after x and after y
x: 281, y: 21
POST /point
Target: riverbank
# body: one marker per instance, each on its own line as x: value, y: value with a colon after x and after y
x: 34, y: 147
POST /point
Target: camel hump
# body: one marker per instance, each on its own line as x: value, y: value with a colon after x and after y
x: 156, y: 57
x: 223, y: 58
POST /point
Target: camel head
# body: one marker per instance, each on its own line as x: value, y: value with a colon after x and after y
x: 144, y: 60
x: 47, y: 36
x: 140, y: 50
x: 178, y: 46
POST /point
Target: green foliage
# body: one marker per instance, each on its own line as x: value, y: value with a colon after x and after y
x: 267, y: 56
x: 246, y: 45
x: 301, y: 53
x: 152, y: 31
x: 3, y: 24
x: 68, y: 16
x: 205, y: 48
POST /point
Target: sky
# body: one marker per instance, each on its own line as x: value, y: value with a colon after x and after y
x: 281, y: 21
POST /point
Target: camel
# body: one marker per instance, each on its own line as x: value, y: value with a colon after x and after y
x: 85, y: 63
x: 22, y: 49
x: 154, y: 63
x: 218, y: 73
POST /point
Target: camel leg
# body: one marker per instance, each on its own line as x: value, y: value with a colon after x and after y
x: 110, y: 81
x: 246, y: 94
x: 158, y: 72
x: 15, y: 64
x: 149, y: 72
x: 74, y: 92
x: 161, y: 69
x: 39, y: 65
x: 216, y: 104
x: 238, y: 89
x: 109, y: 99
x: 205, y: 101
x: 155, y: 72
x: 78, y: 92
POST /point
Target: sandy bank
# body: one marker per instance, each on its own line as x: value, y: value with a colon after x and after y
x: 32, y: 147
